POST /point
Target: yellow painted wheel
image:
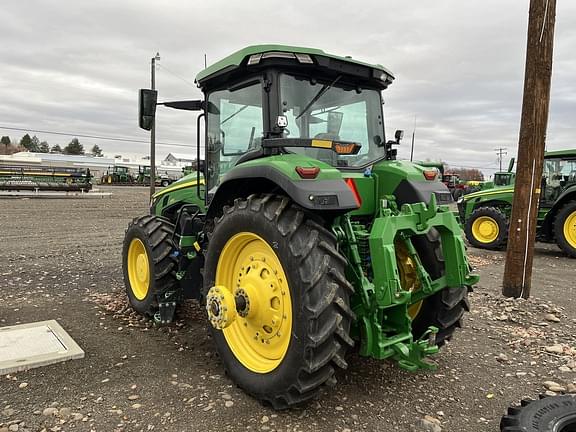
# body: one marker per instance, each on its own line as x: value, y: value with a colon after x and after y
x: 485, y: 229
x: 408, y: 276
x: 570, y: 229
x: 260, y: 333
x: 138, y: 269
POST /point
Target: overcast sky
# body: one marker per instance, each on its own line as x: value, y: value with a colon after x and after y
x: 75, y: 66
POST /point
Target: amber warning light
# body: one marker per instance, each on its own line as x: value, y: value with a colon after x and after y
x: 430, y: 174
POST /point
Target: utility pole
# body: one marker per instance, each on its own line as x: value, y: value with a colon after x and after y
x: 520, y: 253
x: 153, y: 131
x: 413, y: 134
x: 500, y: 151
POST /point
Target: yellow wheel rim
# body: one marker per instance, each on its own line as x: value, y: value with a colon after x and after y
x: 485, y: 229
x: 138, y: 269
x: 260, y: 334
x: 408, y: 276
x: 570, y: 229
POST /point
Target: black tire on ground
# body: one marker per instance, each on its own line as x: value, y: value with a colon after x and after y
x: 567, y: 210
x: 156, y: 234
x: 548, y: 414
x: 499, y: 217
x: 446, y: 308
x: 319, y: 293
x: 164, y: 183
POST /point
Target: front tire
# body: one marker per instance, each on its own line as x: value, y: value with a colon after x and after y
x: 565, y: 228
x: 147, y: 262
x: 280, y: 365
x: 487, y: 228
x: 445, y: 309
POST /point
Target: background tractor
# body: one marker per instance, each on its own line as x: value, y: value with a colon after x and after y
x: 303, y: 236
x: 486, y: 214
x: 118, y: 175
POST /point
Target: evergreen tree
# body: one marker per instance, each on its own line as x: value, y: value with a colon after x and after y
x: 74, y: 147
x: 34, y: 144
x: 96, y: 151
x: 6, y: 141
x: 44, y: 147
x: 26, y: 142
x: 56, y: 149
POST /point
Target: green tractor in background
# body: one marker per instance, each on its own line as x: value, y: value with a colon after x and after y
x: 118, y: 175
x: 486, y: 214
x: 302, y: 235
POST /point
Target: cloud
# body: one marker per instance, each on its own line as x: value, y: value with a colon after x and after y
x: 76, y: 66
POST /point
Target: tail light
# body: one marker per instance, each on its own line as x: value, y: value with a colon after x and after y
x: 354, y: 190
x: 307, y: 172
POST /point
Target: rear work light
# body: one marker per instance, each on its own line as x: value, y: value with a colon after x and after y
x: 430, y: 175
x: 308, y: 172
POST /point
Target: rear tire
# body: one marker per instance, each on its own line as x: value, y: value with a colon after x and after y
x: 565, y: 228
x: 549, y: 414
x: 487, y: 228
x: 319, y: 296
x: 148, y: 265
x: 446, y: 308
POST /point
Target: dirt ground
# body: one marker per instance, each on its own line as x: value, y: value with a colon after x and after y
x: 61, y: 259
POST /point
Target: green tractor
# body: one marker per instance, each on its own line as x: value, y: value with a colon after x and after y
x: 485, y: 214
x: 303, y: 236
x: 118, y: 175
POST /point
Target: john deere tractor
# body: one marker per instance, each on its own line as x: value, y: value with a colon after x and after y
x: 303, y: 236
x: 486, y: 214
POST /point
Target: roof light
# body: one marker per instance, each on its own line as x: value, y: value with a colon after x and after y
x: 308, y: 173
x: 278, y: 54
x: 304, y: 58
x: 254, y: 59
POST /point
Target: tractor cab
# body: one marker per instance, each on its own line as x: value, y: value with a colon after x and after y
x: 559, y: 174
x: 301, y: 102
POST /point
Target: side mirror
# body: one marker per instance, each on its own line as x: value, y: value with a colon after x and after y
x: 399, y: 135
x: 147, y: 108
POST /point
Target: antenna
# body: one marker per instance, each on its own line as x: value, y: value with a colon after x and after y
x: 413, y: 134
x: 205, y: 65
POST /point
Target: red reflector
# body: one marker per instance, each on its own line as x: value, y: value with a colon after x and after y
x: 430, y: 174
x: 307, y: 172
x: 354, y: 190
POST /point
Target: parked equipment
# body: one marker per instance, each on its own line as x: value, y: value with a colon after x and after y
x: 486, y: 214
x: 304, y: 235
x: 118, y: 175
x: 162, y: 179
x: 44, y: 178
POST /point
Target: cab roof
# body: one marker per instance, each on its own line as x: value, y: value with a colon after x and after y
x: 237, y: 59
x: 560, y: 153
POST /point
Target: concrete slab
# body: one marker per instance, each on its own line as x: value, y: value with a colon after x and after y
x: 27, y: 346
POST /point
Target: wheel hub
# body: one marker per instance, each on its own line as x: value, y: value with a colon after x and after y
x: 221, y: 307
x: 485, y: 229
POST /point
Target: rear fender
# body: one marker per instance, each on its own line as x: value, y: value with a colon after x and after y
x: 324, y: 196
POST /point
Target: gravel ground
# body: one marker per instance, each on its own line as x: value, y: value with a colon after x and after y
x: 61, y: 259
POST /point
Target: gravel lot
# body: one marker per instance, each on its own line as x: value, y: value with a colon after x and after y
x: 61, y: 259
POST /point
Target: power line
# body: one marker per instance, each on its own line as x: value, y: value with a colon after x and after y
x: 100, y: 137
x: 177, y: 76
x: 500, y: 151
